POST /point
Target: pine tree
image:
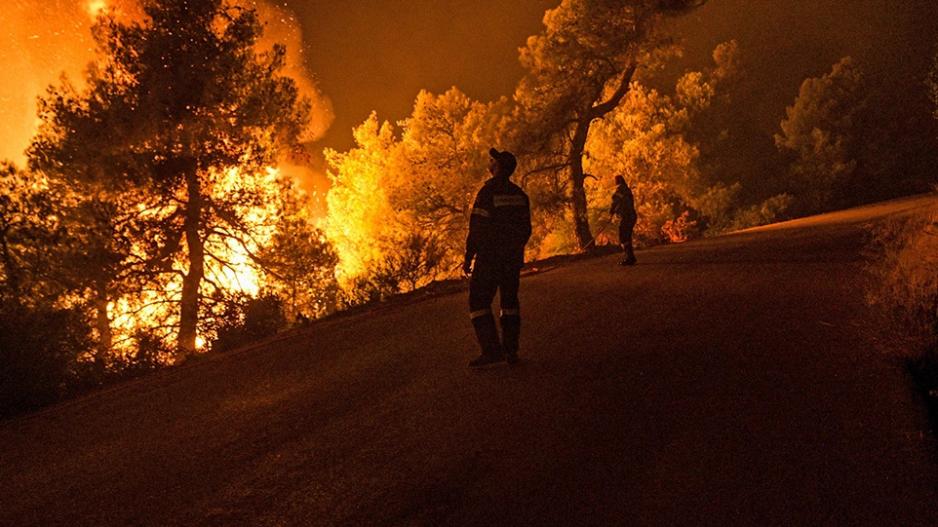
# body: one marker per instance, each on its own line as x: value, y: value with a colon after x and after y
x: 579, y: 69
x: 175, y: 103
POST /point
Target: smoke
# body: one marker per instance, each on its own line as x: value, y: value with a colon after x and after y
x: 281, y: 26
x: 40, y: 40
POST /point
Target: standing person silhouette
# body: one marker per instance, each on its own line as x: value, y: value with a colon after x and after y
x: 499, y: 228
x: 623, y: 205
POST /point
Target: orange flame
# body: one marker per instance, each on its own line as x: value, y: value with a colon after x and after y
x: 96, y: 7
x: 40, y: 40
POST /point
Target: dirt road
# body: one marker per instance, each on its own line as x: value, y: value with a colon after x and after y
x: 730, y: 381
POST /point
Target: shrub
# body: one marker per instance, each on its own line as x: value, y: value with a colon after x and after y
x: 681, y: 229
x: 38, y: 351
x: 905, y: 287
x: 248, y: 321
x: 905, y: 272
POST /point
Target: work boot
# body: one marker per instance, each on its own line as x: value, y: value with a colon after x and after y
x: 511, y: 334
x: 484, y: 360
x: 487, y: 334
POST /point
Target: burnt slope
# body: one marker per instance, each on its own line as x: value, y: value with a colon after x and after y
x: 726, y: 381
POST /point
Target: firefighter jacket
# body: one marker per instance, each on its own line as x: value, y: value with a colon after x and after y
x: 623, y: 203
x: 500, y: 224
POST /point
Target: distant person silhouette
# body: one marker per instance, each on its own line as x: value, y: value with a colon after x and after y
x: 499, y: 228
x: 623, y: 206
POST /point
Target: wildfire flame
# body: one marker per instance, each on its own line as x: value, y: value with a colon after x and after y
x: 238, y: 273
x: 41, y: 40
x: 96, y: 7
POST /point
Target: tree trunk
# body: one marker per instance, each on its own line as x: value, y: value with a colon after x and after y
x: 9, y: 266
x: 581, y: 222
x: 189, y: 309
x: 293, y: 309
x: 102, y: 324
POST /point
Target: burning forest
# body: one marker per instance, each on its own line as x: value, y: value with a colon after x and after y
x: 164, y: 193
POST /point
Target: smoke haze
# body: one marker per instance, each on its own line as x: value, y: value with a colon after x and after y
x: 40, y: 40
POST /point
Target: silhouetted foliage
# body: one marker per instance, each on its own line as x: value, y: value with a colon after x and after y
x: 175, y: 103
x: 299, y: 262
x: 149, y: 352
x: 821, y: 131
x: 579, y: 69
x: 417, y: 261
x: 31, y: 231
x: 250, y: 320
x: 852, y: 138
x: 400, y: 201
x: 39, y: 347
x: 40, y: 339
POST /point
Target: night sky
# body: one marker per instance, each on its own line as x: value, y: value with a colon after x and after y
x: 377, y: 54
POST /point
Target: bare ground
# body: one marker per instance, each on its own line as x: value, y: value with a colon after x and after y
x: 730, y: 381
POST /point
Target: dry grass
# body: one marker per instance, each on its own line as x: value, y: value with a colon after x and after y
x: 904, y: 267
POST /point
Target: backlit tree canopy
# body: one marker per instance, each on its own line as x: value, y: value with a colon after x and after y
x: 409, y: 190
x: 820, y: 131
x: 177, y: 102
x: 153, y: 221
x: 580, y: 68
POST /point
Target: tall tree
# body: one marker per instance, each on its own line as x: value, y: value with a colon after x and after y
x: 821, y: 133
x: 361, y: 218
x: 400, y: 201
x: 31, y: 233
x: 298, y: 261
x: 442, y: 162
x: 175, y: 103
x: 579, y: 69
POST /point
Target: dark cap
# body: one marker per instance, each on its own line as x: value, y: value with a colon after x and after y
x: 506, y: 160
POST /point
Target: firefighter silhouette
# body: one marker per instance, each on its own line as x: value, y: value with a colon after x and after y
x: 499, y: 228
x: 623, y: 206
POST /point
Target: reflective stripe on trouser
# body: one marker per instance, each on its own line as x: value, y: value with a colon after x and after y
x: 487, y: 279
x: 480, y: 313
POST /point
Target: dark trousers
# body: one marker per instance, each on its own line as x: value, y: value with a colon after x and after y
x: 626, y: 226
x: 487, y: 279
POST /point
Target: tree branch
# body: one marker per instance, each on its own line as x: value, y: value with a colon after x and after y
x: 602, y: 109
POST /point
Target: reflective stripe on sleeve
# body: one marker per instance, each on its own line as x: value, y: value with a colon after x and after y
x: 511, y: 312
x: 509, y: 200
x: 481, y: 212
x: 480, y: 313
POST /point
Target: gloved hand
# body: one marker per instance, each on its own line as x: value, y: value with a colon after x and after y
x: 467, y: 267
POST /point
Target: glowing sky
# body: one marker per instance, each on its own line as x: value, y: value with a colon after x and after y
x: 377, y: 54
